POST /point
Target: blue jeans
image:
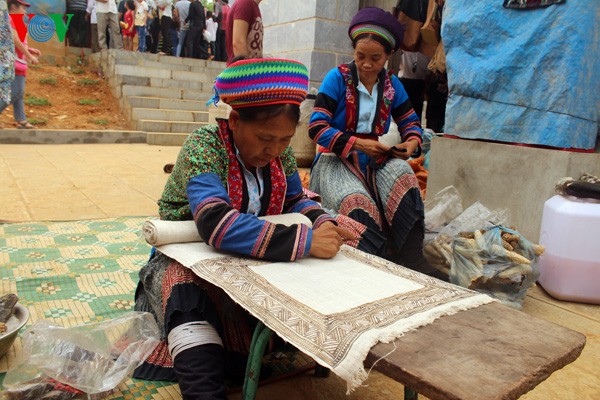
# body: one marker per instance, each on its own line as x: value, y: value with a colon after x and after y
x: 141, y: 31
x: 17, y: 95
x: 182, y: 35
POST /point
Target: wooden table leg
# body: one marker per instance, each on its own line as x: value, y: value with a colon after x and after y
x: 260, y: 338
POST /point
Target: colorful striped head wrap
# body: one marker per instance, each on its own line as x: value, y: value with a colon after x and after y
x: 377, y: 22
x: 262, y: 82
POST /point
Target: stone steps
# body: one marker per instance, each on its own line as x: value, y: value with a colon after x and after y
x: 153, y: 125
x: 163, y: 96
x: 169, y: 115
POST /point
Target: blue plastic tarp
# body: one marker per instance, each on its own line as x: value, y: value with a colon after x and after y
x: 523, y: 76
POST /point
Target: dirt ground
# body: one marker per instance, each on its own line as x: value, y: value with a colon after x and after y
x: 67, y: 97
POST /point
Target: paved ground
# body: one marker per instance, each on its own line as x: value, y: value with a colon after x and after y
x: 69, y: 182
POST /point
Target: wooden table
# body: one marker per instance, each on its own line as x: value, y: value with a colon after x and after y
x: 489, y: 352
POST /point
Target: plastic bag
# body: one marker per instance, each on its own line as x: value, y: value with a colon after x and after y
x: 80, y: 362
x: 438, y: 251
x: 498, y: 261
x: 442, y: 208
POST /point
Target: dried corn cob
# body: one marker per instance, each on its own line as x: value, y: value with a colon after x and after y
x: 507, y: 245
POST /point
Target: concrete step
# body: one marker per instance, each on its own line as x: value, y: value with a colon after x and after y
x: 169, y: 115
x: 150, y: 125
x: 121, y: 57
x: 169, y: 93
x: 165, y: 72
x: 162, y: 83
x: 166, y: 138
x: 167, y: 104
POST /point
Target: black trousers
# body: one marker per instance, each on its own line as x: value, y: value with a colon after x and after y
x: 200, y: 370
x: 221, y: 48
x: 196, y: 46
x: 154, y: 30
x: 165, y: 25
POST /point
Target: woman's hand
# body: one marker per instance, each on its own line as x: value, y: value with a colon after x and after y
x: 35, y: 52
x: 406, y: 149
x: 372, y: 148
x: 327, y: 240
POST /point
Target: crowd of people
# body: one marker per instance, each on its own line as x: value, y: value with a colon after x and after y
x: 182, y: 28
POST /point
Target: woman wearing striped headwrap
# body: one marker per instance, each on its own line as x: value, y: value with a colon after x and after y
x: 226, y: 176
x: 356, y: 175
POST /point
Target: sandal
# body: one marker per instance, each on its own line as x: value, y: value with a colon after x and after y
x: 24, y: 125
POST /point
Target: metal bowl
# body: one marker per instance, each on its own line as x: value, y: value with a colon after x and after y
x: 16, y: 321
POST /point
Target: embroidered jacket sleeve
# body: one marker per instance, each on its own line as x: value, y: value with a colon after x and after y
x: 295, y: 199
x: 219, y: 223
x: 321, y: 129
x: 405, y: 117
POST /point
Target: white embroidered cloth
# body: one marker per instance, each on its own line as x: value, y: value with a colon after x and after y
x: 333, y: 310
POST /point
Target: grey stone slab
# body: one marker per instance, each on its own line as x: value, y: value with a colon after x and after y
x: 171, y: 93
x: 189, y: 105
x: 332, y: 36
x: 497, y: 176
x: 165, y: 66
x: 143, y: 71
x: 153, y: 126
x: 166, y: 138
x: 176, y: 83
x: 133, y: 80
x: 186, y: 127
x: 170, y: 115
x: 347, y: 9
x: 197, y: 95
x: 326, y: 9
x: 291, y: 11
x: 321, y: 63
x: 194, y: 76
x: 144, y: 102
x: 55, y: 136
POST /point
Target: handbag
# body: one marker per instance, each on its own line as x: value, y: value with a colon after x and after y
x: 207, y: 36
x: 412, y: 15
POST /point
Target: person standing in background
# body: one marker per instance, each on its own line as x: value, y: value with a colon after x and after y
x: 128, y: 25
x: 183, y: 10
x: 106, y: 14
x: 77, y: 33
x: 221, y: 12
x: 244, y: 30
x: 7, y: 55
x: 23, y: 55
x: 165, y: 13
x: 141, y: 17
x: 413, y: 74
x: 91, y: 17
x: 211, y: 27
x: 196, y: 47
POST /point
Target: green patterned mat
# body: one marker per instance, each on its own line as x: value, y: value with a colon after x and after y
x: 80, y: 272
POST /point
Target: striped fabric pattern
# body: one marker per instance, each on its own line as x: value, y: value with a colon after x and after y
x: 371, y: 29
x: 261, y: 82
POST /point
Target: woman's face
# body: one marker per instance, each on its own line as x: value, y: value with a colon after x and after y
x: 261, y: 141
x: 369, y: 57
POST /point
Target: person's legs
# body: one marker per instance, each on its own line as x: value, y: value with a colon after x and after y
x: 191, y: 42
x: 116, y: 40
x: 404, y: 213
x: 102, y: 19
x: 18, y: 95
x: 154, y: 31
x: 165, y: 25
x: 342, y: 192
x: 415, y: 89
x: 198, y: 357
x: 181, y: 42
x: 95, y: 45
x: 141, y: 31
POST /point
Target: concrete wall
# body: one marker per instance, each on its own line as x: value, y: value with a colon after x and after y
x: 515, y: 177
x: 313, y: 32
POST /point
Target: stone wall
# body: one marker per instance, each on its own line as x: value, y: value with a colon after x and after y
x: 313, y: 32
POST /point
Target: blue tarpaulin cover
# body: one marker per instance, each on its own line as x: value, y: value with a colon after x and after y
x: 523, y: 76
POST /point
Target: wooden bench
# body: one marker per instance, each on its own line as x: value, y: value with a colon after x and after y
x: 488, y: 352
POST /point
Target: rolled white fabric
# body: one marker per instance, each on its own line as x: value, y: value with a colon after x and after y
x: 158, y: 232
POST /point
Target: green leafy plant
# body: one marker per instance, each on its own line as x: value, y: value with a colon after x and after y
x: 77, y: 71
x: 37, y: 121
x: 87, y: 102
x: 100, y: 121
x: 37, y: 101
x: 88, y: 82
x: 48, y: 81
